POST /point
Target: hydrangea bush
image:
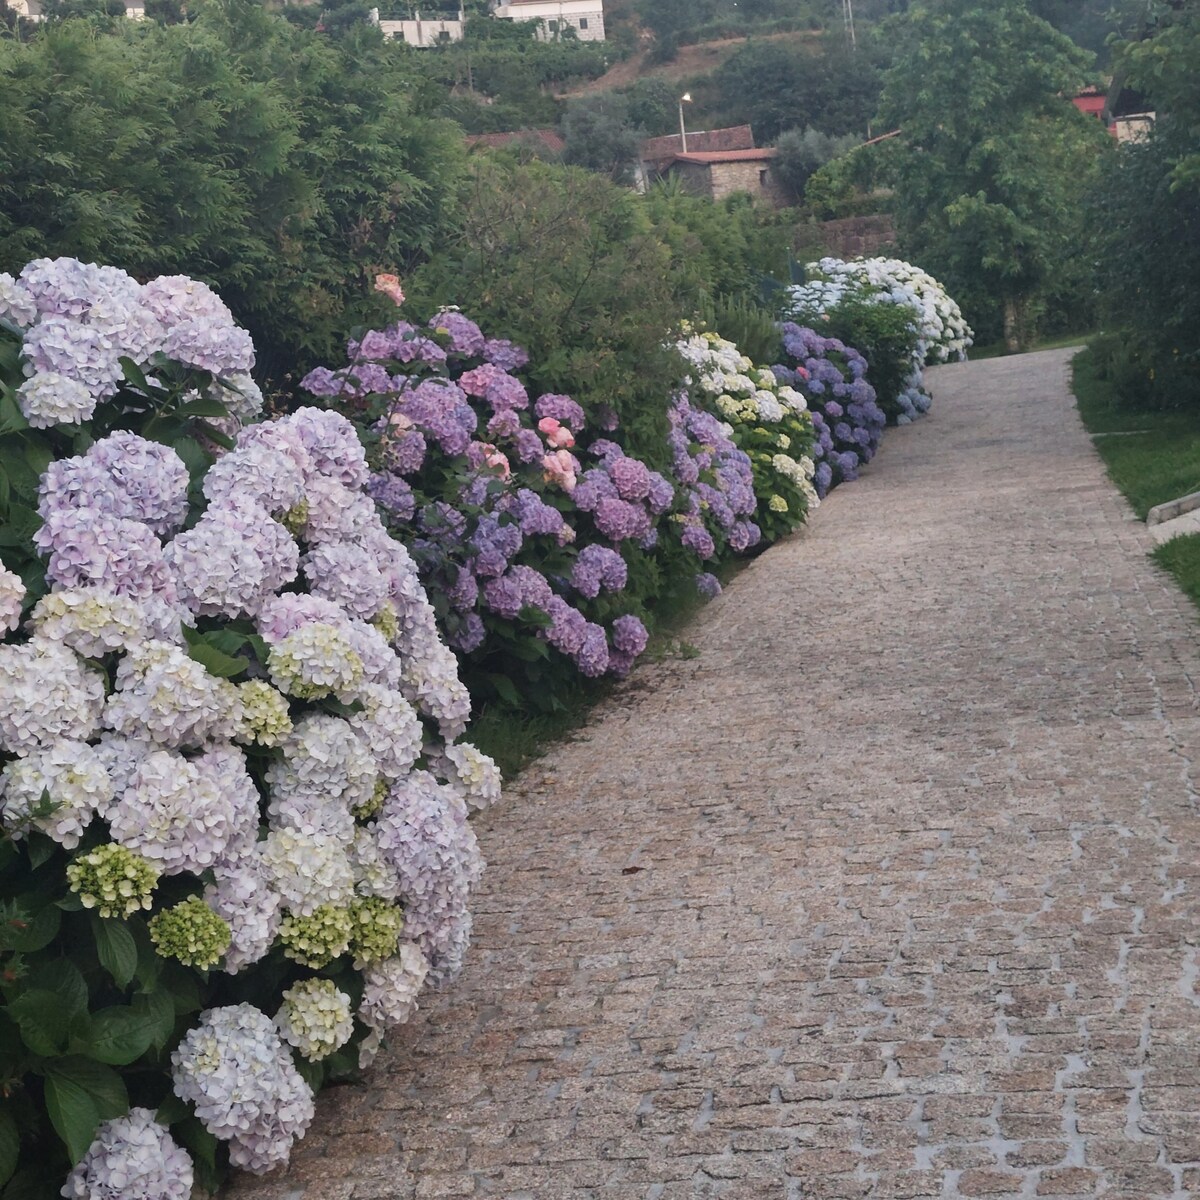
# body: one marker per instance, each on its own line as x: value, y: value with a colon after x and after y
x: 837, y: 295
x: 524, y: 519
x: 233, y: 791
x: 770, y: 422
x: 846, y: 419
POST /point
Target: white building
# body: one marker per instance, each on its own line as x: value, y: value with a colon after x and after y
x: 31, y: 10
x: 586, y: 17
x: 421, y: 31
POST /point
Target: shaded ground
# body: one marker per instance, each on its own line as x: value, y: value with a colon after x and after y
x: 892, y: 892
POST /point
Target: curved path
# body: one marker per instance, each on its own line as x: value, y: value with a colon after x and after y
x: 890, y: 892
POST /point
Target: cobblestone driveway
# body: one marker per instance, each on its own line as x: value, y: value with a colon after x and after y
x: 891, y: 892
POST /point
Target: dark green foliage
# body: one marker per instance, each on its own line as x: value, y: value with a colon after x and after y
x: 599, y: 136
x: 803, y: 151
x: 567, y: 265
x: 281, y: 167
x: 993, y: 159
x: 1147, y: 222
x: 775, y: 87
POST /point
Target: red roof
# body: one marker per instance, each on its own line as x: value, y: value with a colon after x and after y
x: 548, y: 137
x: 760, y: 155
x: 701, y: 141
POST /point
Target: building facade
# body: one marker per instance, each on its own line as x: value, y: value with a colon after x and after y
x: 585, y: 17
x: 421, y: 31
x: 722, y: 173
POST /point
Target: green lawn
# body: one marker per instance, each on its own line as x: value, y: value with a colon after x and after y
x: 1151, y: 456
x: 998, y: 349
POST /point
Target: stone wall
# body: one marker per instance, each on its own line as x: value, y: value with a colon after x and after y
x: 850, y: 237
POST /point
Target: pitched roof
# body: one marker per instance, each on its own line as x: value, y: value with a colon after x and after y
x: 702, y: 141
x: 723, y: 156
x: 548, y: 137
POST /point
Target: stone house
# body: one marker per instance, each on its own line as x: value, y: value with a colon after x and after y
x: 721, y: 173
x: 421, y: 31
x: 657, y: 153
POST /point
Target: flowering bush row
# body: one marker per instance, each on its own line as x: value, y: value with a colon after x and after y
x: 770, y: 421
x: 839, y: 297
x: 233, y: 796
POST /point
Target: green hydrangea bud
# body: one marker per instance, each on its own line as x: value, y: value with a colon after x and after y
x: 190, y: 932
x: 113, y: 880
x: 295, y: 519
x: 265, y: 717
x: 370, y: 807
x: 317, y: 940
x: 375, y: 927
x: 387, y: 622
x: 316, y: 1018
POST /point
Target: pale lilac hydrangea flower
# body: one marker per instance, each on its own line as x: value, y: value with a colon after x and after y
x: 237, y: 1072
x: 131, y: 1158
x: 47, y: 694
x: 78, y: 785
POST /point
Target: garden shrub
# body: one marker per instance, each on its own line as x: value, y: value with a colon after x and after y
x: 233, y: 799
x: 847, y: 422
x: 770, y: 423
x: 838, y: 299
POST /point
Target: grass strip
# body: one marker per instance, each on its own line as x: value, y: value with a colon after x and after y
x: 1151, y: 456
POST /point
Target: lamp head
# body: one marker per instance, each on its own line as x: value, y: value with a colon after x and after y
x: 686, y: 97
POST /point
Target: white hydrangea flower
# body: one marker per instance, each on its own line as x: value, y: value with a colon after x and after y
x: 52, y: 398
x: 315, y: 660
x: 176, y: 815
x: 315, y: 1018
x: 474, y: 772
x: 96, y: 621
x: 243, y: 897
x: 307, y: 870
x: 16, y: 305
x: 47, y: 693
x: 73, y: 777
x: 390, y: 725
x: 12, y: 597
x: 237, y: 1072
x: 121, y: 757
x: 373, y: 873
x: 167, y: 696
x: 240, y: 395
x: 232, y: 560
x: 258, y: 472
x: 391, y: 988
x: 325, y: 772
x: 131, y: 1158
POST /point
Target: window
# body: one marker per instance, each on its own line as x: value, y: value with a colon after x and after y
x: 553, y: 26
x: 583, y: 22
x: 762, y: 178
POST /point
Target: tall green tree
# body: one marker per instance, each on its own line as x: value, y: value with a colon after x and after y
x: 994, y: 160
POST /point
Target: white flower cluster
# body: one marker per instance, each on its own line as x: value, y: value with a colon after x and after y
x: 79, y: 320
x: 942, y: 333
x: 741, y: 392
x: 315, y: 1018
x: 109, y: 712
x: 237, y: 1072
x: 131, y: 1158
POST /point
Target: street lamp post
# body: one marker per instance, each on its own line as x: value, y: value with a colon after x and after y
x: 685, y: 98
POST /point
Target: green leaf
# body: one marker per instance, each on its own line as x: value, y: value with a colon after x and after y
x: 215, y: 662
x: 40, y: 929
x: 44, y: 1019
x: 506, y: 690
x: 159, y: 1009
x: 10, y: 1145
x: 64, y: 979
x: 39, y: 848
x: 102, y: 1084
x: 116, y: 948
x: 133, y: 374
x: 73, y: 1113
x: 119, y: 1035
x: 202, y: 1146
x: 172, y: 1110
x: 202, y: 406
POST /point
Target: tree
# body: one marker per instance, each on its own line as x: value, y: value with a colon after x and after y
x: 993, y: 158
x: 802, y: 152
x: 598, y: 136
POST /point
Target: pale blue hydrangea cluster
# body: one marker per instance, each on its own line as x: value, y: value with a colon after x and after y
x: 111, y: 722
x: 942, y: 333
x: 79, y: 320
